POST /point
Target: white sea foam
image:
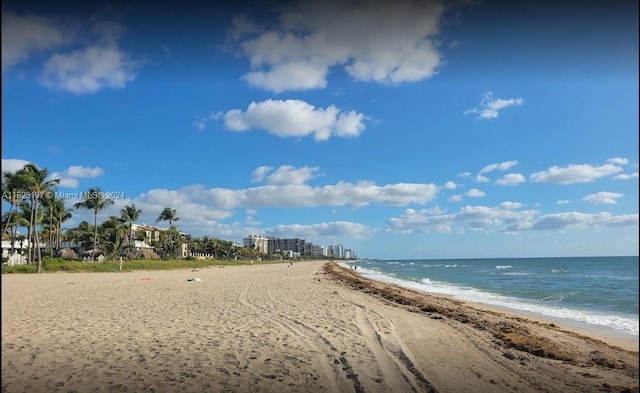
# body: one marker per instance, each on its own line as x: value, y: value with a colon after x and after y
x: 500, y: 267
x: 626, y: 325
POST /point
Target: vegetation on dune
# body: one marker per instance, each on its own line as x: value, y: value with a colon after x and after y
x: 61, y: 265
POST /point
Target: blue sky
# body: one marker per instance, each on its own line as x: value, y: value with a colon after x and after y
x: 403, y: 129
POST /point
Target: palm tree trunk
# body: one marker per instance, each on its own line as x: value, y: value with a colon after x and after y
x: 170, y: 239
x: 4, y: 230
x: 37, y: 240
x: 50, y: 233
x: 95, y: 234
x: 30, y: 250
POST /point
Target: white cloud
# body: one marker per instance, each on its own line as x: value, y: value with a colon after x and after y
x: 505, y: 218
x: 384, y: 42
x: 603, y: 197
x: 67, y: 182
x: 502, y: 166
x: 289, y: 76
x: 326, y: 230
x: 626, y: 176
x: 563, y: 202
x: 577, y: 220
x: 284, y: 175
x: 574, y: 174
x: 26, y: 35
x: 69, y: 177
x: 475, y: 193
x: 298, y: 195
x: 88, y: 70
x: 490, y: 107
x: 13, y: 165
x: 295, y: 118
x: 455, y: 198
x: 260, y: 172
x: 83, y: 171
x: 450, y: 185
x: 202, y: 123
x: 287, y: 174
x: 618, y: 161
x: 482, y: 179
x: 510, y: 205
x: 87, y: 57
x: 511, y: 179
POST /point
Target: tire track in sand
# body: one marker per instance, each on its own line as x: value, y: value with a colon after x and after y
x: 397, y: 369
x: 315, y: 356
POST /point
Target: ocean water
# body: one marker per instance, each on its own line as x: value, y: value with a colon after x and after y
x: 597, y: 292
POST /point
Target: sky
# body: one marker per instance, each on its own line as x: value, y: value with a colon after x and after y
x: 399, y: 129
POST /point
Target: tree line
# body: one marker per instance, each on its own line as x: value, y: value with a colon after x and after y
x: 35, y: 205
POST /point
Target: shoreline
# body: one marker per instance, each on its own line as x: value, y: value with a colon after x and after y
x: 608, y: 334
x: 280, y: 328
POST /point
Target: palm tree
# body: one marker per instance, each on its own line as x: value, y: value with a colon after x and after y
x: 94, y: 199
x: 60, y: 214
x: 130, y: 214
x: 35, y: 180
x: 25, y: 217
x: 11, y: 188
x: 112, y: 235
x: 12, y: 222
x: 170, y: 215
x: 80, y: 234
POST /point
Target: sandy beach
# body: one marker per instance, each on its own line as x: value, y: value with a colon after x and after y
x: 312, y: 327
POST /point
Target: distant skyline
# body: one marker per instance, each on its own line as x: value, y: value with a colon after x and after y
x: 405, y: 129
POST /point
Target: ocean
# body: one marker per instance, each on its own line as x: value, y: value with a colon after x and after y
x: 592, y: 292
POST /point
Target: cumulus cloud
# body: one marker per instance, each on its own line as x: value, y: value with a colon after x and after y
x: 577, y: 220
x: 69, y: 177
x: 260, y: 172
x: 511, y: 179
x: 13, y: 165
x: 603, y: 198
x: 287, y: 174
x: 295, y: 118
x: 501, y: 166
x: 618, y: 161
x: 626, y: 176
x: 489, y: 107
x: 506, y: 217
x: 584, y: 173
x: 475, y: 193
x: 202, y: 123
x: 26, y: 35
x: 284, y: 175
x: 88, y: 70
x: 384, y: 42
x: 450, y: 185
x: 83, y: 57
x: 83, y: 171
x: 320, y: 230
x: 298, y: 195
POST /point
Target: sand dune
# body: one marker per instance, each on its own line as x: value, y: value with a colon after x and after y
x: 267, y: 328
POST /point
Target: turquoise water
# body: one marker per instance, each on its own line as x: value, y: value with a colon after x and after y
x: 598, y: 291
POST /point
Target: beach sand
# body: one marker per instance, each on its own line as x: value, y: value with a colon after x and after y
x: 312, y: 327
